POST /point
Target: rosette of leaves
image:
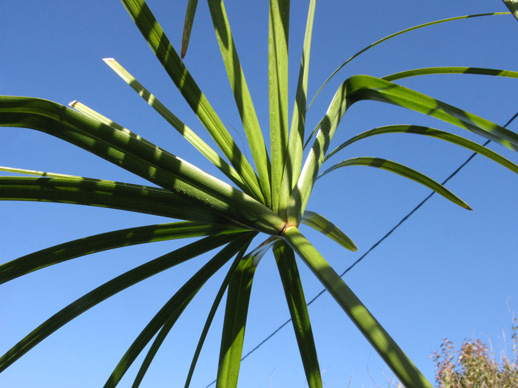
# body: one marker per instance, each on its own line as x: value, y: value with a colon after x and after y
x: 263, y: 198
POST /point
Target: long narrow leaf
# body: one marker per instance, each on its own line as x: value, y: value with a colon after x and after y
x: 450, y: 70
x: 176, y: 123
x: 164, y: 320
x: 138, y: 156
x: 242, y: 96
x: 234, y: 324
x: 400, y: 33
x: 278, y: 41
x: 96, y: 192
x: 107, y: 290
x: 386, y: 347
x: 106, y: 241
x: 431, y: 132
x: 363, y: 87
x: 212, y: 313
x: 293, y: 162
x: 175, y: 68
x: 326, y: 227
x: 187, y: 27
x: 292, y: 285
x: 402, y: 170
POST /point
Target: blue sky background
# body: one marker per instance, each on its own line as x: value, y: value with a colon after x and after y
x: 447, y: 272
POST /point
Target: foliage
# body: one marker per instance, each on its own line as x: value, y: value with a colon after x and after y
x: 267, y: 197
x: 475, y: 366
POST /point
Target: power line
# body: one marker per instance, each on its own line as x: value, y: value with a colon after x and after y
x: 374, y: 246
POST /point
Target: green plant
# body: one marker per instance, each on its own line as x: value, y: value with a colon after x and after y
x: 473, y: 365
x: 268, y: 199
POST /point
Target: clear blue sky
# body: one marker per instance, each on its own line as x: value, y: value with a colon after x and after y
x: 447, y: 272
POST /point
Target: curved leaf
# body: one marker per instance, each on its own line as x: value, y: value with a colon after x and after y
x: 140, y: 157
x: 363, y: 87
x: 451, y: 70
x: 432, y: 132
x: 164, y: 320
x: 294, y: 292
x: 175, y: 68
x: 404, y: 171
x: 400, y: 33
x: 326, y: 227
x: 96, y: 192
x: 107, y: 290
x: 106, y: 241
x: 386, y: 347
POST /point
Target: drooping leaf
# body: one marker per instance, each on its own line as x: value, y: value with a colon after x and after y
x: 137, y: 155
x: 292, y: 285
x: 97, y: 192
x: 432, y: 132
x: 326, y: 227
x: 106, y: 241
x: 387, y: 348
x: 164, y: 320
x: 107, y: 290
x: 406, y: 30
x: 450, y: 70
x: 362, y: 87
x: 402, y: 170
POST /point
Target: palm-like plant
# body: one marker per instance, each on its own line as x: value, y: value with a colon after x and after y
x: 261, y: 208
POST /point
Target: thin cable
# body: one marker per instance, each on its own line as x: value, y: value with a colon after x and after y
x: 375, y: 245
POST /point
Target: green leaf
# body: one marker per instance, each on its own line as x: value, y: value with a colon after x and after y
x: 401, y: 33
x: 234, y: 324
x: 106, y: 241
x: 242, y: 95
x: 404, y: 171
x: 175, y: 122
x: 451, y: 70
x: 114, y: 195
x: 295, y: 154
x: 164, y: 320
x: 278, y: 41
x: 387, y: 348
x: 175, y: 68
x: 363, y: 87
x: 431, y: 132
x: 513, y: 7
x: 139, y: 156
x: 326, y: 227
x: 212, y: 313
x: 107, y: 290
x: 187, y: 27
x: 298, y: 311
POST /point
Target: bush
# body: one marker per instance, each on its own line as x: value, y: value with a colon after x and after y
x: 474, y: 365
